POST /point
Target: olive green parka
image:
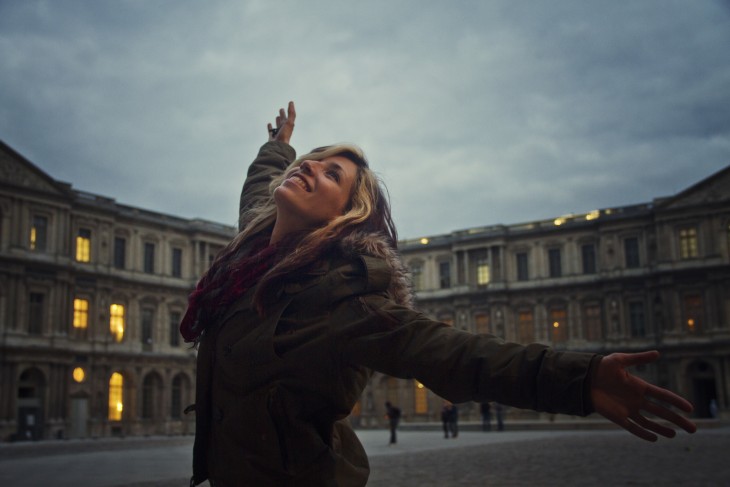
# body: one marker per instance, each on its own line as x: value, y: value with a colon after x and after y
x: 272, y: 393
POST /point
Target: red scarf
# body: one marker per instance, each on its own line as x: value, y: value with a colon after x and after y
x: 213, y: 295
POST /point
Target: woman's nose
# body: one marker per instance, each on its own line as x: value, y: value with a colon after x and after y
x: 307, y: 167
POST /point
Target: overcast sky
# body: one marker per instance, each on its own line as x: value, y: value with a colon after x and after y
x: 473, y: 112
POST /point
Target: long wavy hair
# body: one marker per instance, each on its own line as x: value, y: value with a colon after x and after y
x: 368, y: 211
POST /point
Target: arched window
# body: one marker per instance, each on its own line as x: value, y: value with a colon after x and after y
x: 116, y: 321
x: 177, y: 397
x: 558, y: 324
x: 116, y: 397
x: 420, y: 396
x: 525, y: 326
x: 151, y: 392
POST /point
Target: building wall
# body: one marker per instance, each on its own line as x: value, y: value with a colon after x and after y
x: 58, y: 354
x: 642, y: 277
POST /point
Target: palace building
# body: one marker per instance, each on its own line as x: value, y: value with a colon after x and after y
x: 91, y: 296
x: 632, y: 278
x: 92, y: 293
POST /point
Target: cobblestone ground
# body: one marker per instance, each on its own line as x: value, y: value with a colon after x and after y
x: 423, y: 459
x: 618, y: 459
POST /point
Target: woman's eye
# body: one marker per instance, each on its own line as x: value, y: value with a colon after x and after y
x: 334, y: 175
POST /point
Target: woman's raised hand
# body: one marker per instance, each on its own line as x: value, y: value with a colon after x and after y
x: 624, y: 398
x: 284, y: 128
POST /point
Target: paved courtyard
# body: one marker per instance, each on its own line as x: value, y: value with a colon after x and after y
x: 421, y: 458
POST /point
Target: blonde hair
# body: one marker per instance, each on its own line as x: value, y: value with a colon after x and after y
x: 368, y: 211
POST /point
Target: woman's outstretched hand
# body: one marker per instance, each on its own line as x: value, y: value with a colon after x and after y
x: 624, y: 398
x: 284, y: 125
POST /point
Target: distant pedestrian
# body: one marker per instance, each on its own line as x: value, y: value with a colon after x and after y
x: 486, y: 411
x: 393, y: 415
x: 445, y: 411
x: 454, y: 421
x: 713, y: 408
x: 450, y: 420
x: 499, y: 409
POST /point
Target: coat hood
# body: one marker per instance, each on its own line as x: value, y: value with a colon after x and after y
x: 376, y: 245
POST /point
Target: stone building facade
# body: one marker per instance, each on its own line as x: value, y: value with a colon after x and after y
x: 91, y: 295
x: 92, y: 292
x: 634, y: 278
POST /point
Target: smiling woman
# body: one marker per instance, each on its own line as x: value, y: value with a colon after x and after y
x: 311, y: 297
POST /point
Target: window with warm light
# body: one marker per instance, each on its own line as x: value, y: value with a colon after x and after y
x: 558, y: 325
x: 116, y: 397
x: 83, y: 245
x: 688, y: 243
x: 481, y: 323
x: 526, y: 326
x: 420, y: 395
x: 483, y: 272
x: 116, y: 321
x: 694, y: 312
x: 81, y: 313
x: 38, y: 233
x: 79, y: 375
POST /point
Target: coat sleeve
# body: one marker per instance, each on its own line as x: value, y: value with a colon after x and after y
x: 462, y: 366
x: 272, y: 159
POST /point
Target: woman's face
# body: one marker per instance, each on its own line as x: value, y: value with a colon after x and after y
x: 315, y: 192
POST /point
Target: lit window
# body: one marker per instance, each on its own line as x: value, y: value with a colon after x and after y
x: 558, y: 325
x: 116, y: 399
x: 481, y: 321
x: 116, y: 321
x: 81, y: 313
x: 38, y: 233
x: 83, y: 245
x: 420, y: 394
x: 526, y: 326
x: 693, y: 309
x: 482, y: 272
x: 79, y: 375
x: 688, y: 243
